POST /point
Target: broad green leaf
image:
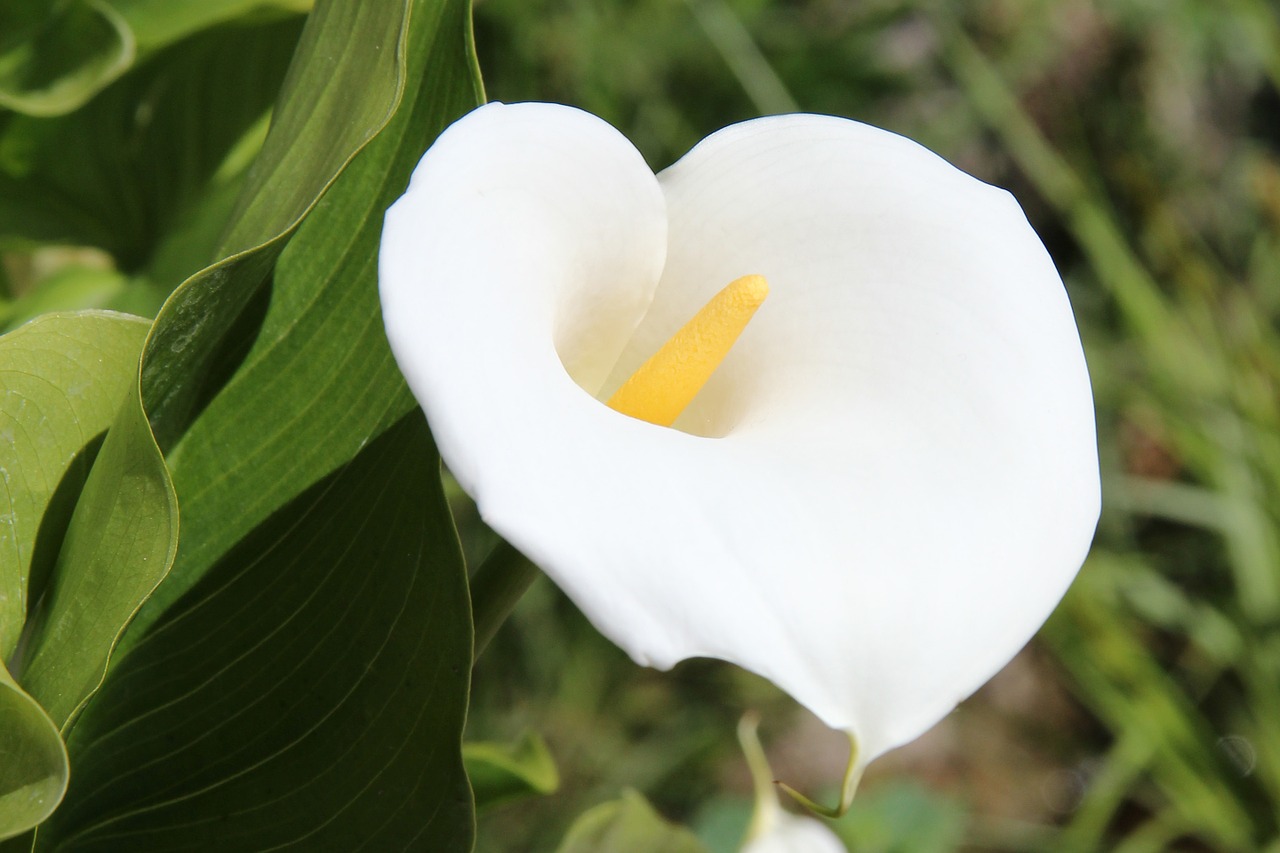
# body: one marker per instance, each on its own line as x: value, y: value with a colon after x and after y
x: 123, y: 530
x: 308, y: 694
x: 344, y: 83
x: 135, y: 163
x: 33, y: 775
x: 118, y: 546
x: 55, y: 56
x: 157, y: 23
x: 320, y: 380
x: 62, y: 377
x: 500, y: 771
x: 628, y: 825
x: 122, y: 537
x: 342, y: 87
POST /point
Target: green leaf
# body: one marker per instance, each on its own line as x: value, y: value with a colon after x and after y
x: 319, y: 381
x: 342, y: 87
x: 55, y: 56
x: 500, y: 771
x: 33, y: 775
x: 187, y: 336
x: 346, y: 81
x: 628, y: 825
x: 62, y: 378
x: 123, y: 534
x: 135, y: 164
x: 118, y: 546
x: 157, y: 23
x: 309, y: 694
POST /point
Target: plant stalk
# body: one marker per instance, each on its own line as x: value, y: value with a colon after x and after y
x: 496, y: 587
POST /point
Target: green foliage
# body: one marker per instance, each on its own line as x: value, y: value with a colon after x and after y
x: 53, y: 56
x: 628, y: 825
x: 318, y: 381
x: 313, y: 685
x: 117, y: 548
x: 34, y: 774
x: 61, y: 378
x: 154, y: 24
x: 140, y: 162
x: 319, y: 617
x: 64, y: 377
x: 505, y: 771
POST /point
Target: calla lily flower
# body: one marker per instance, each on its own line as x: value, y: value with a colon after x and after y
x: 878, y: 496
x: 788, y: 833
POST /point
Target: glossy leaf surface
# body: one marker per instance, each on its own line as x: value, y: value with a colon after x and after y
x: 308, y: 694
x: 61, y: 379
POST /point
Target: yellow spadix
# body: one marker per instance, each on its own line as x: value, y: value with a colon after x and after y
x: 665, y: 384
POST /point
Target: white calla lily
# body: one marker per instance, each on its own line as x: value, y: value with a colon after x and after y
x: 882, y: 492
x: 790, y: 833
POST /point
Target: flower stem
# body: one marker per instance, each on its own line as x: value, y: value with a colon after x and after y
x: 496, y: 586
x: 765, y: 814
x: 848, y: 787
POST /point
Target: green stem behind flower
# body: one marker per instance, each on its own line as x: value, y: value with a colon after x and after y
x: 762, y: 776
x: 848, y: 787
x: 496, y: 587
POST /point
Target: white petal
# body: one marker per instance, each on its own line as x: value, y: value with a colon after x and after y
x: 906, y: 477
x: 531, y: 219
x: 793, y: 834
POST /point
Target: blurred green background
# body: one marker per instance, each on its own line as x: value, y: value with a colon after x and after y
x: 1143, y: 139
